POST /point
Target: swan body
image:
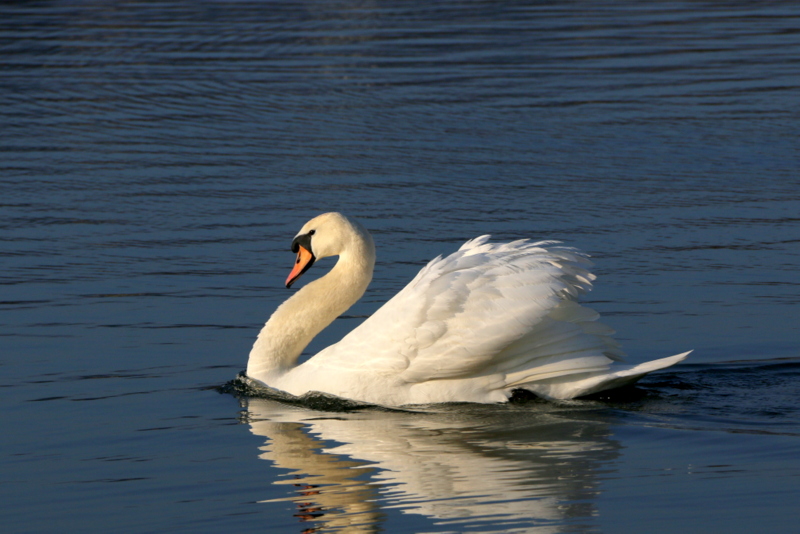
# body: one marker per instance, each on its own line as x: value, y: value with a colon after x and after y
x: 470, y: 327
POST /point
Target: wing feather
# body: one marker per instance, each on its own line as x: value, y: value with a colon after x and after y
x: 485, y: 309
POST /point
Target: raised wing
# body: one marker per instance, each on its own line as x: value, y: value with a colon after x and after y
x: 486, y: 309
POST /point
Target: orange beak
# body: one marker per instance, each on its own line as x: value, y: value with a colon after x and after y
x: 305, y: 260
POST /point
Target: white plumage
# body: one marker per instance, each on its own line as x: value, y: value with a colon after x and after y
x: 470, y: 327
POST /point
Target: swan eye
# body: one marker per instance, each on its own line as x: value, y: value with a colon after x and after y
x: 312, y: 232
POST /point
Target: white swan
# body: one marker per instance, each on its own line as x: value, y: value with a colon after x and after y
x: 471, y: 327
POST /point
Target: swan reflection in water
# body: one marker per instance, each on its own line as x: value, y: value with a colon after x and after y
x: 528, y: 468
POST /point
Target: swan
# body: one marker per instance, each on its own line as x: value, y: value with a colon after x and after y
x: 471, y: 327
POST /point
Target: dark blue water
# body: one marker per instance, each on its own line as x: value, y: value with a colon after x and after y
x: 156, y: 158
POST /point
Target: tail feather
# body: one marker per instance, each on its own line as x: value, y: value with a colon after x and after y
x: 579, y: 385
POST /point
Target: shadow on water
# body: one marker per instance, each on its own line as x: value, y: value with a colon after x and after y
x: 530, y: 463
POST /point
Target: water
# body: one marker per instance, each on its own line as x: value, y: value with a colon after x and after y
x: 157, y: 158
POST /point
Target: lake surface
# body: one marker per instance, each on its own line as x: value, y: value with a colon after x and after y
x: 156, y: 159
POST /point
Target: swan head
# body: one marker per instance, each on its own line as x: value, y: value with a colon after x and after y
x: 329, y: 234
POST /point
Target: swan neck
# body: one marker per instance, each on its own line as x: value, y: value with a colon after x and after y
x: 315, y: 306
